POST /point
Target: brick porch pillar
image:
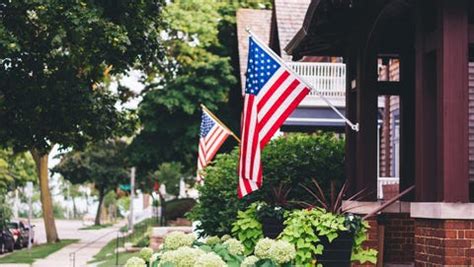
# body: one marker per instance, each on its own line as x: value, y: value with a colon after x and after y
x: 444, y: 234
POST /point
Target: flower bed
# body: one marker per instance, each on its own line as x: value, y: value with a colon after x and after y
x: 183, y: 250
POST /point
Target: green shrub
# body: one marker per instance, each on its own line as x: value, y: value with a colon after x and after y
x: 247, y: 228
x: 177, y: 208
x: 288, y: 160
x: 218, y: 202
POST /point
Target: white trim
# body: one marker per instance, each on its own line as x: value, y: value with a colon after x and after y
x: 366, y: 207
x: 442, y: 210
x: 314, y: 120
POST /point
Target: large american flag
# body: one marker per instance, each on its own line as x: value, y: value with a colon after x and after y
x: 211, y: 137
x: 272, y: 92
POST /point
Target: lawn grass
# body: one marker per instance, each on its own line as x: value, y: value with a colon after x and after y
x: 96, y: 227
x: 36, y: 252
x: 108, y: 251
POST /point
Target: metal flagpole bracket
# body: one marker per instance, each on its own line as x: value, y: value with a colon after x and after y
x: 354, y: 127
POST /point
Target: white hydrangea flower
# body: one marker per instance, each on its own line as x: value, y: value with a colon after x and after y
x: 210, y: 260
x: 212, y: 240
x: 182, y: 257
x: 234, y: 246
x: 249, y: 261
x: 262, y: 248
x: 135, y: 262
x: 175, y: 240
x: 225, y: 238
x: 145, y: 253
x: 282, y: 252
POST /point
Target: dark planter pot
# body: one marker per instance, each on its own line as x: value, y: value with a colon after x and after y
x: 271, y: 227
x: 338, y: 252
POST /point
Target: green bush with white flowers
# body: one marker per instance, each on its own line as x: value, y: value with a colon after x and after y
x: 214, y: 252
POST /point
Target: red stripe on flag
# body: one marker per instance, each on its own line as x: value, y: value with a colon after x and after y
x: 249, y: 99
x: 222, y: 136
x: 283, y: 117
x: 208, y: 139
x: 272, y: 89
x: 277, y: 104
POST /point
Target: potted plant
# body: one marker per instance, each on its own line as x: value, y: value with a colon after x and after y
x: 271, y: 213
x: 327, y: 233
x: 271, y: 218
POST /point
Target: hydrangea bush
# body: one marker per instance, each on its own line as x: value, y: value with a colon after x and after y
x: 177, y: 239
x: 135, y: 262
x: 178, y: 251
x: 210, y: 259
x: 146, y: 253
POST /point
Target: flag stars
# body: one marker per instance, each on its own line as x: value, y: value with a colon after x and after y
x: 261, y: 67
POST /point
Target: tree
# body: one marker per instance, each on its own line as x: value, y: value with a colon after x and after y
x: 15, y: 169
x: 201, y: 68
x: 54, y: 58
x: 102, y: 164
x: 170, y: 174
x: 71, y: 191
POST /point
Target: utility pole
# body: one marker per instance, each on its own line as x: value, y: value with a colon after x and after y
x: 29, y: 194
x: 132, y: 196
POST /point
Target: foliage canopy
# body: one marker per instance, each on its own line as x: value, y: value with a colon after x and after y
x: 54, y: 57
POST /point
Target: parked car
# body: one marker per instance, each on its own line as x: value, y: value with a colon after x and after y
x: 19, y: 234
x: 7, y: 242
x: 27, y: 229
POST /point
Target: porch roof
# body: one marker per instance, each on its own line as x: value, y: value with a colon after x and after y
x: 329, y: 25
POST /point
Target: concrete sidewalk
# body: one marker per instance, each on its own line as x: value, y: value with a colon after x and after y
x: 90, y: 243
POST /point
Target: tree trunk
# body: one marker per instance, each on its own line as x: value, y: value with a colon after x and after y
x: 41, y: 161
x: 99, y: 208
x: 74, y: 208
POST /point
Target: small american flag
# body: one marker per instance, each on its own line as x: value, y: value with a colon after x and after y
x: 211, y: 137
x: 272, y: 92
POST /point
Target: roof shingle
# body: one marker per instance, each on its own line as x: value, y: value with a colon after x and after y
x: 258, y: 21
x: 289, y: 18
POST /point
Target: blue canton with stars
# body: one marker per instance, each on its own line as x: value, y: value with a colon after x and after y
x: 206, y: 124
x: 260, y: 68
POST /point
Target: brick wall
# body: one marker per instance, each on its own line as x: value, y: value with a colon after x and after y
x: 444, y: 242
x: 399, y: 238
x: 371, y: 240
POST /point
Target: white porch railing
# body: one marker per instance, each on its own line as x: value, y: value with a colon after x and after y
x: 381, y: 181
x: 327, y: 78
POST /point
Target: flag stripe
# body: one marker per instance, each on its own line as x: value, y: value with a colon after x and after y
x: 285, y: 114
x: 282, y: 89
x: 273, y: 88
x: 282, y: 104
x: 216, y: 145
x: 213, y: 139
x: 277, y: 103
x: 251, y: 124
x: 210, y: 135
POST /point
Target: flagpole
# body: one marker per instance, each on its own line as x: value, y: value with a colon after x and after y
x: 220, y: 122
x: 353, y: 126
